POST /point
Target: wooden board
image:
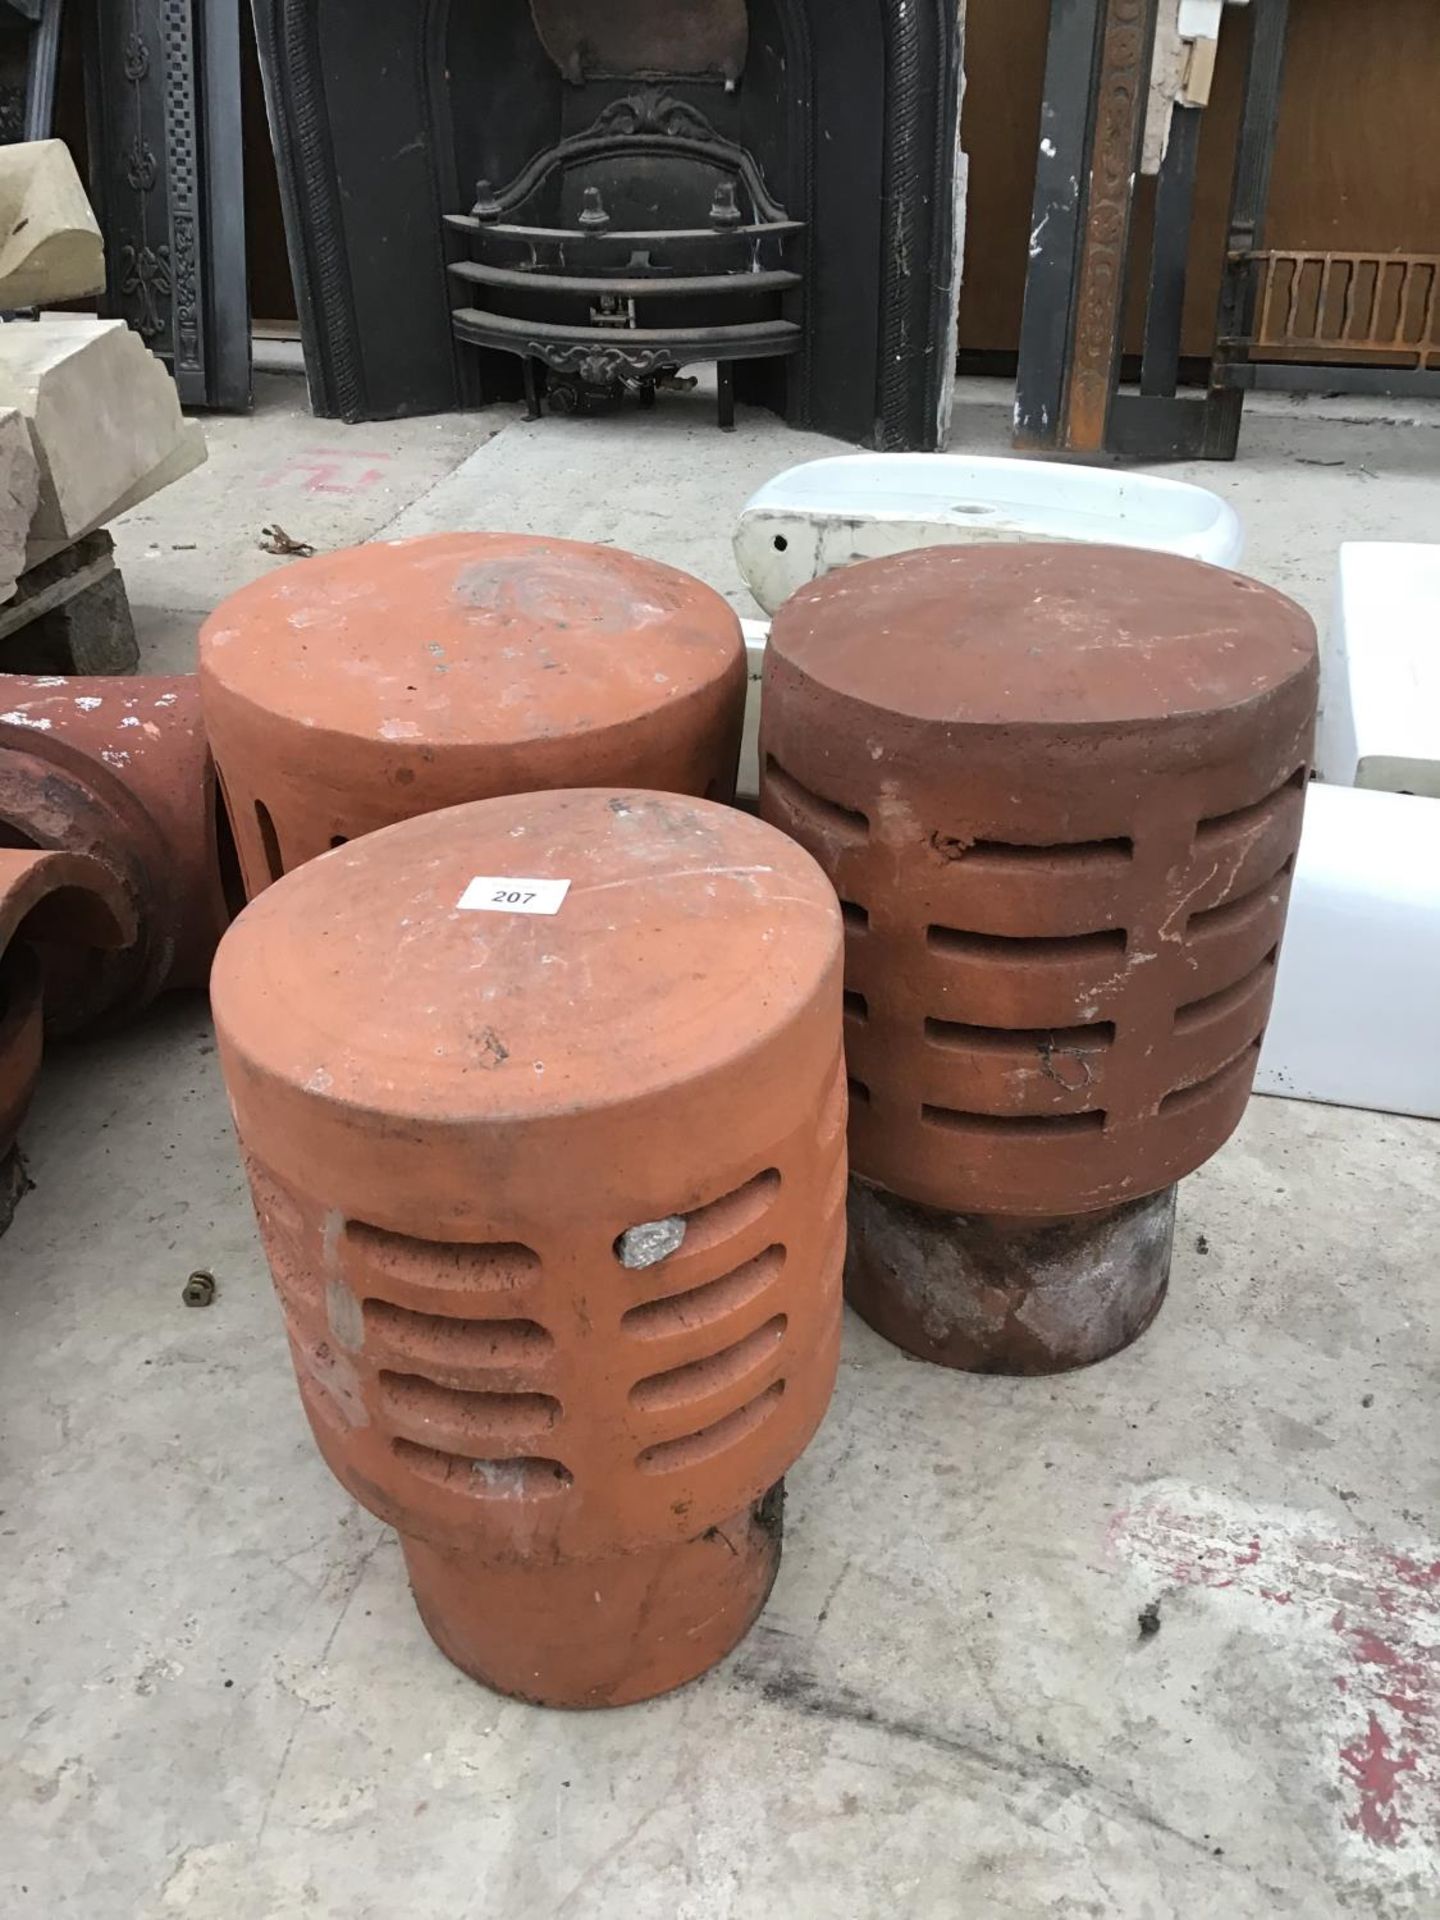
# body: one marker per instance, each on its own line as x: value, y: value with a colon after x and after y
x: 272, y: 295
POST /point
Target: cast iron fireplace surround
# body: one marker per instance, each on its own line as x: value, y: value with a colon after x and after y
x: 385, y: 118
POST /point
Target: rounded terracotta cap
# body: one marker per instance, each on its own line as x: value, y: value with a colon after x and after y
x: 413, y: 976
x: 470, y: 639
x: 1059, y: 790
x: 1058, y: 635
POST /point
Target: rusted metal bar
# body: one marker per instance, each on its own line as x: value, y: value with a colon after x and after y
x: 1121, y: 95
x: 1402, y: 298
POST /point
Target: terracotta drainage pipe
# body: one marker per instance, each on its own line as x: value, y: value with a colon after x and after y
x: 61, y: 901
x: 349, y: 692
x: 553, y: 1192
x: 118, y: 769
x: 1059, y: 792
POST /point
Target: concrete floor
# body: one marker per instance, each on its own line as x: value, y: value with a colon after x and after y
x: 216, y: 1700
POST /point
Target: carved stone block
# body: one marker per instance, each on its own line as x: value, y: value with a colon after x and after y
x: 50, y: 245
x: 19, y: 491
x: 104, y: 418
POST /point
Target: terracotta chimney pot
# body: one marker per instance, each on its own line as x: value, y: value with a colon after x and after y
x: 1059, y: 791
x: 552, y: 1184
x: 349, y: 692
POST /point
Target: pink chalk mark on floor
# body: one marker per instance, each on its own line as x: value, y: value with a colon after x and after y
x: 1380, y: 1606
x: 330, y: 470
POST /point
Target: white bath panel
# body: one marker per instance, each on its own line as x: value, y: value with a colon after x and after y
x: 1357, y: 1002
x: 1381, y: 724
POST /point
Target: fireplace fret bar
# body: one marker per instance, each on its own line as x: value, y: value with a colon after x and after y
x: 651, y: 286
x: 467, y: 223
x: 759, y: 340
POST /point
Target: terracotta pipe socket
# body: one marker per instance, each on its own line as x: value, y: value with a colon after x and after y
x: 1059, y: 791
x: 994, y: 1295
x: 553, y: 1192
x: 118, y: 769
x: 58, y: 901
x: 366, y: 687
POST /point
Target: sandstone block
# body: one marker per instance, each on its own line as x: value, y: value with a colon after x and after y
x: 19, y: 491
x: 51, y: 249
x: 104, y: 420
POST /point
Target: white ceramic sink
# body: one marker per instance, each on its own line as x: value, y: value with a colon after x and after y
x: 828, y: 513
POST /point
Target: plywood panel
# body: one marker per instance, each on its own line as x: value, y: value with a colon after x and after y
x: 1355, y: 165
x: 1004, y: 73
x: 272, y: 297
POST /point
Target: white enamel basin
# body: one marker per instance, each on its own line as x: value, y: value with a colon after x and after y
x: 828, y: 513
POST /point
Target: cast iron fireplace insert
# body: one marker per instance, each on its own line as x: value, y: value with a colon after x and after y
x: 629, y: 251
x: 829, y: 126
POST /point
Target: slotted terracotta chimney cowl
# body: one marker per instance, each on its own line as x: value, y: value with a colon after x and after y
x: 49, y: 902
x: 552, y: 1179
x: 118, y: 770
x: 1059, y: 791
x: 349, y: 692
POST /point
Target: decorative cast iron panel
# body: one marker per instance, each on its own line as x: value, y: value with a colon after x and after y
x: 168, y: 185
x: 29, y: 53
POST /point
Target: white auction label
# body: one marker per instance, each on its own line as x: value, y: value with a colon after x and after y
x: 491, y: 894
